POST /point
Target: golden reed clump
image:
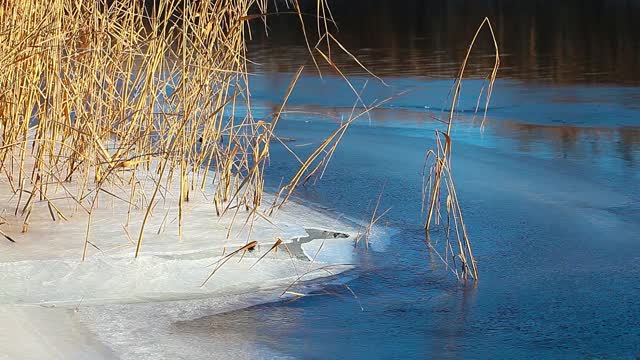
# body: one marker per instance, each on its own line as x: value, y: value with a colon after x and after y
x: 95, y: 95
x: 95, y: 92
x: 99, y: 95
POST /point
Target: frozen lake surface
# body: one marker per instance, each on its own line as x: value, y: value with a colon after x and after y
x: 549, y: 189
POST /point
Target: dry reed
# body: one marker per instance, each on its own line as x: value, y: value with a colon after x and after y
x: 97, y: 96
x: 458, y: 257
x: 111, y: 101
x: 96, y: 93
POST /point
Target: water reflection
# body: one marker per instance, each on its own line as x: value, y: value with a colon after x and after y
x: 553, y: 41
x: 574, y: 142
x: 440, y: 320
x: 597, y: 144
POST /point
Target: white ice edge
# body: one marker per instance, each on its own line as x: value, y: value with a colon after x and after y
x: 44, y: 280
x: 44, y: 264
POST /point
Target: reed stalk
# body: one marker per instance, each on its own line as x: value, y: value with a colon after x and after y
x: 440, y: 172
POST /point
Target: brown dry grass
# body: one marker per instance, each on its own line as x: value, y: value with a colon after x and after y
x: 95, y: 95
x: 456, y: 253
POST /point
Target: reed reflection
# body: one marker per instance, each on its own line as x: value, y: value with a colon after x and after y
x: 600, y: 144
x: 593, y: 41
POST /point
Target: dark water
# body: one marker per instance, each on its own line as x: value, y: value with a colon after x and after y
x: 549, y: 189
x: 586, y: 41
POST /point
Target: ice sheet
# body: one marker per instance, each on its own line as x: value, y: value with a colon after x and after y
x: 46, y: 286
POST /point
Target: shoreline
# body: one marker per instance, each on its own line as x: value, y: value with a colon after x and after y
x: 87, y: 329
x: 46, y: 284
